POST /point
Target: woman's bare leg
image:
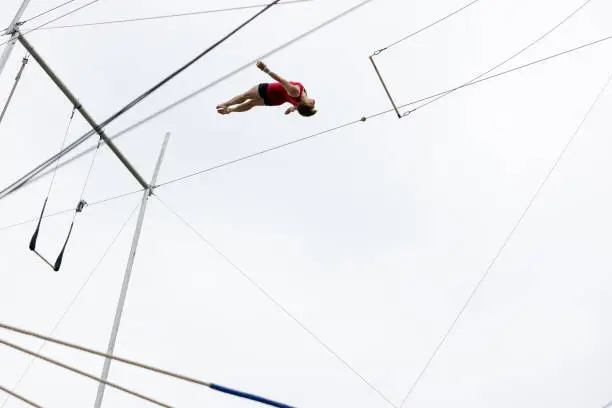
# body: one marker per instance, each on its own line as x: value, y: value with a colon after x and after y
x: 243, y: 107
x: 252, y: 93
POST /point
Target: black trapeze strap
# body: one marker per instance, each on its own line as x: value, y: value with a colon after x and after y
x: 80, y: 206
x: 35, y: 236
x: 60, y: 257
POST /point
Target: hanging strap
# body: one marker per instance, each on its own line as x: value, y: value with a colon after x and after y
x: 35, y: 236
x: 60, y: 257
x: 42, y: 213
x: 56, y: 266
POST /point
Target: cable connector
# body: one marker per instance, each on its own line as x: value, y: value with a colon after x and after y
x: 81, y: 205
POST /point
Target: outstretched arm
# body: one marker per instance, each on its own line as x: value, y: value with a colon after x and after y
x: 291, y: 89
x: 290, y: 109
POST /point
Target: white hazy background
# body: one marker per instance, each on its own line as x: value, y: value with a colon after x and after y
x: 373, y: 236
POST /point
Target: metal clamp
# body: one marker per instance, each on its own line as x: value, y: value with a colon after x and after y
x: 81, y: 205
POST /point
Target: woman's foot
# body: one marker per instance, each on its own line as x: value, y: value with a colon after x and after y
x: 223, y: 110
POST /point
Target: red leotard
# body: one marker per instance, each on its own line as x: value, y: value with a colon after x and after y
x: 277, y: 95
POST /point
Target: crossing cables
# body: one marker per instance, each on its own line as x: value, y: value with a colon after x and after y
x: 513, y: 56
x: 375, y: 115
x: 41, y: 167
x: 80, y: 206
x: 168, y: 16
x: 413, y: 34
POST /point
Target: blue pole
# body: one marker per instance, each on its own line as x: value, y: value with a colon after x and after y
x: 248, y: 396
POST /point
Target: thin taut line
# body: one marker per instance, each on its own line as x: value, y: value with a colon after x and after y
x: 505, y: 243
x: 276, y: 302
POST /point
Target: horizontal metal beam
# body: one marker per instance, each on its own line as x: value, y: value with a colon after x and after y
x: 82, y: 110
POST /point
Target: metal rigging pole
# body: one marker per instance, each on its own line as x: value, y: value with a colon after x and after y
x: 13, y: 31
x: 128, y: 273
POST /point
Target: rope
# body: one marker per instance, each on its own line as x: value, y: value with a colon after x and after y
x: 58, y: 262
x: 141, y: 365
x: 275, y: 302
x: 18, y: 224
x: 48, y: 11
x: 34, y: 238
x: 24, y: 61
x: 184, y: 67
x: 259, y: 153
x: 427, y: 27
x: 129, y: 106
x: 61, y: 148
x: 166, y: 16
x: 19, y: 397
x: 55, y: 19
x: 537, y: 40
x: 375, y: 115
x: 34, y: 174
x: 504, y: 244
x: 92, y: 2
x: 41, y: 167
x: 93, y: 160
x: 95, y: 203
x: 84, y: 374
x: 74, y: 299
x: 518, y: 68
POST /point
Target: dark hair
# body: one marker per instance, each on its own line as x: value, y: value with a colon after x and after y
x: 306, y: 110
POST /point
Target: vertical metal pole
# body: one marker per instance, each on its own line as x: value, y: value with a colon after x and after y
x: 17, y: 78
x: 128, y: 273
x: 12, y: 29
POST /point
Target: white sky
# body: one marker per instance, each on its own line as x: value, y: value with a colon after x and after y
x: 373, y: 236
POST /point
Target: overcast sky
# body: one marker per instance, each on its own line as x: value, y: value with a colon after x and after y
x: 372, y: 236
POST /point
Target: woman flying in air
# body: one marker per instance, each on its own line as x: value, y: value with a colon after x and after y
x: 271, y: 94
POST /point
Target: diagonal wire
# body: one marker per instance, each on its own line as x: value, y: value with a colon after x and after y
x: 147, y: 367
x: 302, y: 139
x: 18, y: 224
x: 34, y: 176
x: 61, y: 148
x: 419, y: 31
x: 174, y: 74
x: 141, y: 97
x: 166, y: 16
x: 33, y: 173
x: 273, y: 300
x: 517, y: 68
x: 48, y: 11
x: 19, y: 397
x: 92, y: 2
x: 513, y: 56
x: 103, y: 201
x: 505, y: 242
x: 259, y: 153
x: 91, y: 166
x: 74, y: 299
x: 55, y: 19
x: 82, y: 373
